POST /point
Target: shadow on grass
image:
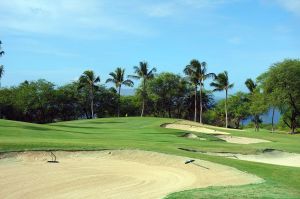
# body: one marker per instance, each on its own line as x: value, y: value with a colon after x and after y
x: 102, y: 122
x: 37, y: 128
x: 76, y: 127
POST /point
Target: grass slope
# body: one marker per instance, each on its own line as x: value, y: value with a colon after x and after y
x: 146, y: 134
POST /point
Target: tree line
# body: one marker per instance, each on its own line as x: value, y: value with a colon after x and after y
x: 160, y: 95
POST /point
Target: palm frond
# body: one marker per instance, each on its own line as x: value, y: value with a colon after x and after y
x: 134, y: 76
x: 110, y: 80
x: 128, y: 82
x: 1, y: 71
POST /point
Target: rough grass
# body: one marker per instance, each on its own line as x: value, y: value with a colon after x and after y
x: 146, y: 134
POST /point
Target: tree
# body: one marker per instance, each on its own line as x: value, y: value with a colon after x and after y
x: 198, y: 71
x: 142, y: 72
x: 117, y: 78
x: 89, y: 80
x: 251, y: 85
x: 221, y: 83
x: 256, y: 102
x: 238, y: 106
x: 1, y: 73
x: 282, y: 82
x: 167, y: 91
x: 1, y: 66
x: 191, y: 75
x: 258, y: 106
x: 1, y: 51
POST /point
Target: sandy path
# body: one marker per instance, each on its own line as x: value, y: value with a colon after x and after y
x: 119, y: 174
x: 273, y: 157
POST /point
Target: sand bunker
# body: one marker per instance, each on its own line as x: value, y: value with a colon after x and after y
x: 187, y: 122
x: 220, y: 134
x: 192, y: 136
x: 240, y: 140
x: 199, y: 129
x: 109, y: 174
x: 269, y: 157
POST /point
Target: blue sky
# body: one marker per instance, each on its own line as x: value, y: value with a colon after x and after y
x: 58, y: 39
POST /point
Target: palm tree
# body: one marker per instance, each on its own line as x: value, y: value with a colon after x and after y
x: 1, y: 51
x: 117, y: 78
x: 251, y: 85
x: 1, y: 66
x: 1, y: 73
x: 221, y: 83
x: 142, y: 72
x: 199, y: 72
x: 191, y: 74
x: 89, y: 80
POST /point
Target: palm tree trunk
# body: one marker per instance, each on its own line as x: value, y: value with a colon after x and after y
x: 92, y: 102
x: 92, y: 107
x: 195, y: 111
x: 143, y: 105
x: 273, y: 120
x: 200, y: 103
x: 226, y: 116
x: 119, y: 101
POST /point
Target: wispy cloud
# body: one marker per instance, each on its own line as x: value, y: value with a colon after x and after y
x: 65, y: 17
x: 290, y: 5
x: 91, y: 18
x: 171, y: 8
x: 235, y: 40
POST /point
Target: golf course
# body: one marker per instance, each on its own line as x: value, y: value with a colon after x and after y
x: 173, y: 99
x: 139, y: 157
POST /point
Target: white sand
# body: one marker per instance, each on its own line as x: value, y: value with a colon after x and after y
x: 273, y: 157
x: 187, y: 122
x: 199, y: 129
x: 116, y: 174
x: 193, y: 126
x: 240, y: 140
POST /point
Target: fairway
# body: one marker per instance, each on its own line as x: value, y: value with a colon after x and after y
x: 146, y: 134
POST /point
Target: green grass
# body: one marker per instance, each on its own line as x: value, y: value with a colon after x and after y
x: 146, y: 134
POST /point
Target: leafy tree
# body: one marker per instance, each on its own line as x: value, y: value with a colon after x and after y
x: 70, y: 102
x: 117, y: 78
x: 197, y: 72
x: 271, y: 99
x: 255, y: 103
x: 142, y: 72
x: 167, y: 91
x: 282, y: 82
x: 130, y: 106
x: 221, y: 83
x: 258, y: 106
x: 238, y: 106
x: 89, y: 80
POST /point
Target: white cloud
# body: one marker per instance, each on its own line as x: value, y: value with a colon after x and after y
x: 170, y: 8
x: 160, y: 10
x: 92, y: 19
x: 235, y: 40
x: 290, y: 5
x: 69, y: 18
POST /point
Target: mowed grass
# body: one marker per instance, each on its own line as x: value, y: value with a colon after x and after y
x: 146, y: 134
